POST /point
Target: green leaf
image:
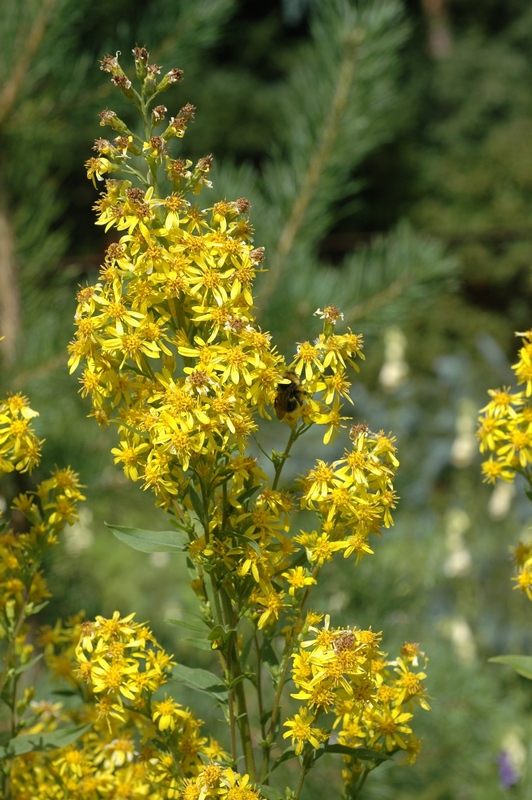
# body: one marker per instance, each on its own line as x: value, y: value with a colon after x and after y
x: 246, y: 650
x: 247, y: 494
x: 521, y: 664
x: 24, y: 667
x: 297, y: 562
x: 35, y: 742
x: 247, y: 539
x: 199, y: 644
x: 220, y: 633
x: 265, y: 718
x: 239, y: 679
x: 270, y: 793
x: 199, y: 679
x: 196, y: 502
x: 268, y: 654
x: 286, y: 755
x: 151, y: 541
x: 188, y: 625
x: 355, y: 752
x: 31, y: 609
x: 129, y: 427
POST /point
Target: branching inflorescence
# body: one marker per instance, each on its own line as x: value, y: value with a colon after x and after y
x: 172, y: 355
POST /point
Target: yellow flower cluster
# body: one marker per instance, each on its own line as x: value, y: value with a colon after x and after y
x: 172, y: 353
x: 505, y: 424
x: 47, y: 510
x: 215, y: 782
x: 505, y: 432
x: 40, y: 516
x: 523, y: 562
x: 136, y: 746
x: 170, y: 346
x: 121, y: 661
x: 352, y: 497
x: 347, y: 684
x: 20, y: 449
x: 167, y: 336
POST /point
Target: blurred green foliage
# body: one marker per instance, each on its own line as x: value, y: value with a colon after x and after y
x: 416, y: 217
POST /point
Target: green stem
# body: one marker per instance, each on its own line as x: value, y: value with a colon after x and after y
x: 235, y: 676
x: 127, y: 170
x: 232, y: 725
x: 260, y: 702
x: 216, y: 601
x: 294, y: 435
x: 361, y: 783
x: 302, y: 775
x: 280, y: 686
x: 18, y: 624
x: 152, y: 166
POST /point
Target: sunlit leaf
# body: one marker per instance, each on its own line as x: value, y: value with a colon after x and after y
x: 151, y: 541
x: 521, y: 664
x: 199, y: 679
x: 37, y: 742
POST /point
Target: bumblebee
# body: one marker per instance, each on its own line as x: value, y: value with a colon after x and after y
x: 290, y: 396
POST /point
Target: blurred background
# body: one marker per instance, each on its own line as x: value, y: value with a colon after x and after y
x: 386, y: 149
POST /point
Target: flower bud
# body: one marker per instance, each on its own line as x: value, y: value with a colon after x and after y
x: 141, y: 62
x: 157, y: 114
x: 118, y: 76
x: 150, y: 81
x: 171, y: 77
x: 109, y: 117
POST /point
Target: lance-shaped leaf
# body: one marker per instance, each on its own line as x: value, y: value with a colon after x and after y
x: 36, y: 742
x: 151, y: 541
x: 270, y: 793
x: 364, y: 753
x: 521, y: 664
x: 23, y: 667
x: 189, y: 626
x: 199, y: 679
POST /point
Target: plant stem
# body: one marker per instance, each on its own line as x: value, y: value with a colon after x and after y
x: 18, y: 624
x: 236, y: 677
x: 282, y: 677
x: 259, y: 687
x: 294, y: 434
x: 302, y: 775
x: 361, y: 783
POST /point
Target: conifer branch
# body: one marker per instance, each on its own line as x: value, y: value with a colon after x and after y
x: 377, y: 300
x: 9, y: 93
x: 316, y: 167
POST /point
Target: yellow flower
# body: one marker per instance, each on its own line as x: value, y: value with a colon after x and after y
x: 298, y: 578
x: 273, y: 602
x: 495, y: 469
x: 166, y: 713
x: 301, y: 731
x: 390, y: 725
x: 524, y: 579
x: 308, y: 356
x: 131, y: 455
